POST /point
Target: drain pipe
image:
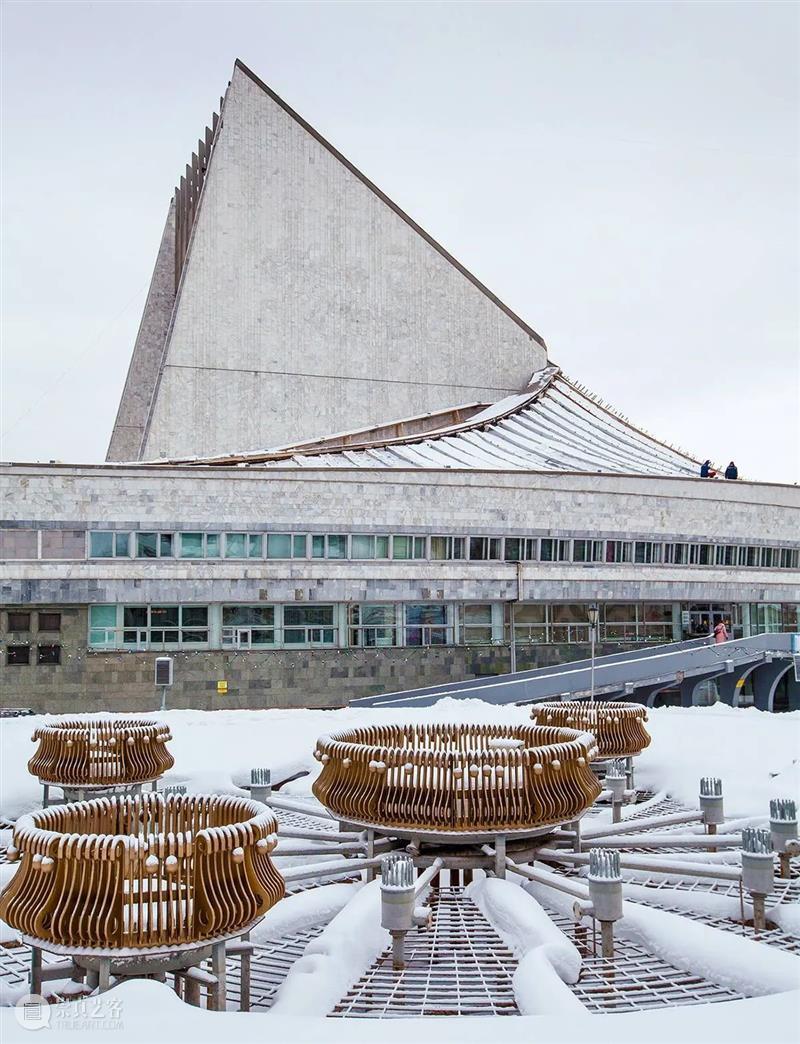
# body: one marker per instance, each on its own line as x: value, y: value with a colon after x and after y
x: 616, y: 782
x: 605, y: 893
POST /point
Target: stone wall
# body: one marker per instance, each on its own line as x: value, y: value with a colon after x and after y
x: 123, y: 681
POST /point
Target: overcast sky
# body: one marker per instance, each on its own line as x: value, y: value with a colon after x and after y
x: 624, y: 176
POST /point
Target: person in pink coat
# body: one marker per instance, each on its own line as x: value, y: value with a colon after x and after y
x: 720, y: 632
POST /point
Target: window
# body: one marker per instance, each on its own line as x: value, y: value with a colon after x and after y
x: 109, y: 545
x: 587, y: 550
x: 192, y: 545
x: 569, y: 623
x: 147, y: 545
x: 427, y: 624
x: 645, y: 552
x: 308, y: 625
x: 551, y: 550
x: 369, y: 546
x: 372, y: 625
x: 18, y: 655
x: 656, y: 622
x: 769, y: 557
x: 748, y: 556
x: 618, y: 551
x: 725, y: 554
x: 48, y: 654
x: 213, y: 541
x: 102, y: 626
x: 789, y: 558
x: 19, y: 621
x: 484, y: 549
x: 101, y: 545
x: 49, y: 621
x: 406, y: 547
x: 255, y: 544
x: 618, y: 621
x: 286, y: 545
x: 446, y: 548
x: 700, y: 554
x: 332, y: 546
x: 235, y: 545
x: 476, y: 624
x: 530, y: 623
x: 519, y: 549
x: 162, y: 625
x: 246, y: 626
x: 676, y: 554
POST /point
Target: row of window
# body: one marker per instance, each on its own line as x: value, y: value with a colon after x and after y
x: 195, y: 545
x: 368, y: 625
x: 20, y: 655
x: 21, y: 621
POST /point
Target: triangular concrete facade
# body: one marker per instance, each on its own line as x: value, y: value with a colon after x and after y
x: 308, y: 302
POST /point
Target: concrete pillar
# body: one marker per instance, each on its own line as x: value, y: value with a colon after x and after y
x: 765, y: 680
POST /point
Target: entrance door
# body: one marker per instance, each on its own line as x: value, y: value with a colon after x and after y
x: 704, y: 617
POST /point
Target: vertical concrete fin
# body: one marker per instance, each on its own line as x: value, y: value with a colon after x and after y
x: 129, y: 426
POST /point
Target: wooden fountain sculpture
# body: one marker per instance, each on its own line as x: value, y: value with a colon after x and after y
x: 82, y: 755
x: 128, y: 884
x: 618, y: 727
x: 448, y: 780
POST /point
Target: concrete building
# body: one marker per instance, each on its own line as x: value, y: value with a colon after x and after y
x: 474, y: 497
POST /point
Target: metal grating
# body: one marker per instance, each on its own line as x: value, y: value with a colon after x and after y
x: 458, y: 966
x: 269, y: 966
x: 634, y: 980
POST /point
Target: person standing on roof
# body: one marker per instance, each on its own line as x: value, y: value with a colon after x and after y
x: 720, y: 633
x: 706, y: 470
x: 731, y: 472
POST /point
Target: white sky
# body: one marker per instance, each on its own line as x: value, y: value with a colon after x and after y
x: 624, y: 176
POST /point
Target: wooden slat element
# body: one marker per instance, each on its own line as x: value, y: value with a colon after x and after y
x: 618, y: 727
x: 459, y: 778
x: 143, y: 871
x: 78, y: 752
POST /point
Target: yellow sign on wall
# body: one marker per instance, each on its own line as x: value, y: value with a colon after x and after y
x: 222, y: 688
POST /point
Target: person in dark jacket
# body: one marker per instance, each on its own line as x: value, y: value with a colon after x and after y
x: 731, y: 472
x: 705, y: 467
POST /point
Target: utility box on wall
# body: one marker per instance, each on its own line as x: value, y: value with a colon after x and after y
x: 163, y: 670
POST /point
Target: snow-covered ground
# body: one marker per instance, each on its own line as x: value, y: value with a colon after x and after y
x: 756, y: 754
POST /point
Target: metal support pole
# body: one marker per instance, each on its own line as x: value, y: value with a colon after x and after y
x: 45, y: 795
x: 163, y: 697
x: 591, y: 688
x: 607, y: 938
x: 191, y: 991
x: 785, y: 864
x: 513, y: 637
x: 371, y: 870
x: 629, y: 772
x: 92, y: 979
x: 759, y: 913
x: 104, y: 974
x: 500, y: 856
x: 219, y: 991
x: 398, y: 950
x: 244, y: 993
x: 576, y: 843
x: 36, y: 970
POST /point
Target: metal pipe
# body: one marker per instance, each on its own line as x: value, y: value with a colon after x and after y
x: 319, y: 835
x: 632, y: 825
x: 640, y: 862
x: 304, y: 850
x: 544, y: 877
x: 306, y: 809
x: 336, y: 866
x: 669, y: 841
x: 424, y: 879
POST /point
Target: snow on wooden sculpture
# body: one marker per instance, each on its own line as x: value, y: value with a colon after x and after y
x: 618, y: 727
x: 143, y: 871
x: 78, y: 752
x: 457, y: 778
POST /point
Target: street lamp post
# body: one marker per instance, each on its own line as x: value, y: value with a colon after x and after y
x: 592, y: 614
